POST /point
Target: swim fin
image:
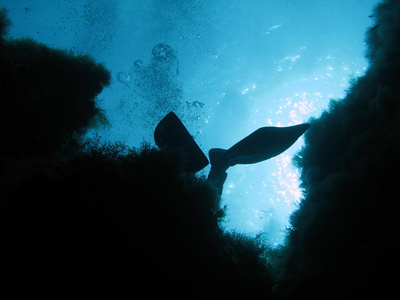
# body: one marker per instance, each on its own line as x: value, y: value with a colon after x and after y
x: 170, y: 132
x: 262, y: 144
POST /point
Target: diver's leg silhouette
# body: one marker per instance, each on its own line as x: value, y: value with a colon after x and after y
x: 217, y: 177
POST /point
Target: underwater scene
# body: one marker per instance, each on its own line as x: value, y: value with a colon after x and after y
x: 198, y: 149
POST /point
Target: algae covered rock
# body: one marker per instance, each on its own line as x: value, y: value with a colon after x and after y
x: 46, y: 94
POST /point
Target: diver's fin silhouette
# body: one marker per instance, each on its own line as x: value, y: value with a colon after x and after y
x: 170, y: 132
x: 262, y: 144
x: 215, y: 155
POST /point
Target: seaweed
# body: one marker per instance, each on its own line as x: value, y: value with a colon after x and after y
x: 46, y: 94
x: 341, y: 236
x: 123, y: 221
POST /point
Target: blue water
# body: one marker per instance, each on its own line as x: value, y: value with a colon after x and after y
x: 226, y: 68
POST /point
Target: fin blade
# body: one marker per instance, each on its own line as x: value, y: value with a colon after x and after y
x: 170, y: 132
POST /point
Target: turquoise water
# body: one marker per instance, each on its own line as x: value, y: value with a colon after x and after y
x: 234, y: 66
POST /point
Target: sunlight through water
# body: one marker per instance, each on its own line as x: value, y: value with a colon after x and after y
x: 225, y: 67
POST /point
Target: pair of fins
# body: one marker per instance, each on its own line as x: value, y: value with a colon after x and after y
x: 262, y: 144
